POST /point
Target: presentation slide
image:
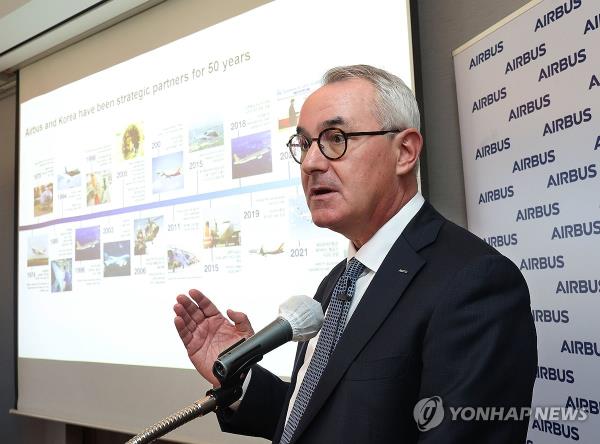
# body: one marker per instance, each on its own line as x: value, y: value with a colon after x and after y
x: 170, y: 171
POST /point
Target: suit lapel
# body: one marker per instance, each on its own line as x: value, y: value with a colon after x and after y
x: 398, y: 269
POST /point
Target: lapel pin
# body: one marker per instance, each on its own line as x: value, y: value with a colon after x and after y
x: 402, y: 270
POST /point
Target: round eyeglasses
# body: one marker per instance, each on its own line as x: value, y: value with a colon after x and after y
x: 332, y: 142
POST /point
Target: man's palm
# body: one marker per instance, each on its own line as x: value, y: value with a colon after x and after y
x: 205, y: 332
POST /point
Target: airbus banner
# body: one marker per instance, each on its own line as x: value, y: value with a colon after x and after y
x: 528, y: 95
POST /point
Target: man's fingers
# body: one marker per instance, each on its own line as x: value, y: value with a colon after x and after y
x: 191, y: 308
x: 187, y: 309
x: 242, y: 324
x: 184, y: 315
x: 204, y: 304
x: 184, y: 332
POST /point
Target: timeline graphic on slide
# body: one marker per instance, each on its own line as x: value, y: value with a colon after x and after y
x: 167, y: 172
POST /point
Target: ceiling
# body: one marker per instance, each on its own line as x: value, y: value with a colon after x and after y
x: 8, y: 6
x: 33, y: 29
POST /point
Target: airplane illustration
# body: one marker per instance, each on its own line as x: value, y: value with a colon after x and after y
x: 170, y: 173
x: 38, y: 252
x: 86, y: 245
x: 237, y: 160
x: 73, y: 172
x: 264, y: 252
x: 180, y: 258
x: 119, y: 261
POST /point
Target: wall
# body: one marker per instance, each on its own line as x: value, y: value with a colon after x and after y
x: 12, y: 429
x: 444, y: 26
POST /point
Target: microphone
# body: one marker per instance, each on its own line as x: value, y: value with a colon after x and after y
x: 300, y: 318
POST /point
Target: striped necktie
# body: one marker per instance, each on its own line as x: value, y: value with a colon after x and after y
x: 332, y: 329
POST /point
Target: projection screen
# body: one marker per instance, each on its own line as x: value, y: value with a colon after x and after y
x: 152, y: 160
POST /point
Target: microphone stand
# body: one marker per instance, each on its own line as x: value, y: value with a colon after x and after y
x: 217, y: 398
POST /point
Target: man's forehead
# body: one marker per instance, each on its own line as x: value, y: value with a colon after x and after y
x: 337, y: 104
x: 334, y: 122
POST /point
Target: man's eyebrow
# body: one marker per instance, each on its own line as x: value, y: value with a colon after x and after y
x: 339, y: 120
x: 300, y: 130
x: 336, y: 121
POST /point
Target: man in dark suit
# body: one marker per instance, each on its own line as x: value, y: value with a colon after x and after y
x: 433, y: 312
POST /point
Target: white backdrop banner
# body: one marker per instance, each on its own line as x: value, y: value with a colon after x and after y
x: 529, y: 105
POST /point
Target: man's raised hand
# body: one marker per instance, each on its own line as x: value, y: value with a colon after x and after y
x: 205, y: 332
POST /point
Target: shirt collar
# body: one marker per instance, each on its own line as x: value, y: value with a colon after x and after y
x: 372, y: 253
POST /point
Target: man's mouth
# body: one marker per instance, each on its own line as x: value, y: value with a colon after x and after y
x: 320, y: 191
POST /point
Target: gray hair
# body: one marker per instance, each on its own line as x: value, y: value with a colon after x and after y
x: 395, y: 104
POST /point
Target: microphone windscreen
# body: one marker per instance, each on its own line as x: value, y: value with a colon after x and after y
x: 305, y: 316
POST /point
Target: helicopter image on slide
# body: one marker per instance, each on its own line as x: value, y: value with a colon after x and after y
x: 70, y: 178
x: 73, y: 172
x: 146, y: 230
x: 38, y: 252
x: 178, y: 258
x: 206, y: 134
x: 209, y: 135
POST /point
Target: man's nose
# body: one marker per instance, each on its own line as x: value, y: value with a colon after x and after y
x: 314, y: 160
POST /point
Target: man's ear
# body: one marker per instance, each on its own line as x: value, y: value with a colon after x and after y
x: 409, y: 144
